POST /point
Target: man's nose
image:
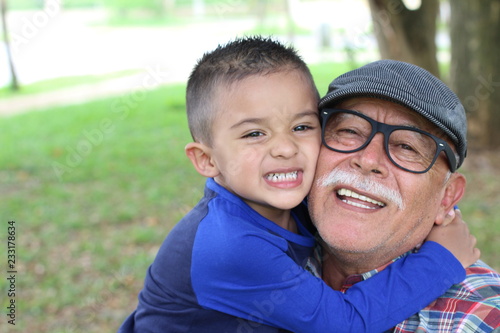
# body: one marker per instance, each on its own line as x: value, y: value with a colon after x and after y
x: 373, y: 158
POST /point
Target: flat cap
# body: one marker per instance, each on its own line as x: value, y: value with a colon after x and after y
x: 410, y: 86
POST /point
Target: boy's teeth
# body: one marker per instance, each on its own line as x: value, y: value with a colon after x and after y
x: 279, y: 177
x: 348, y: 193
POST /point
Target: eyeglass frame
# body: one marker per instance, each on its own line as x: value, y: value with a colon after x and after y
x: 386, y: 130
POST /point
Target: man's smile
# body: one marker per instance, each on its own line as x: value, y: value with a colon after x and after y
x: 358, y: 200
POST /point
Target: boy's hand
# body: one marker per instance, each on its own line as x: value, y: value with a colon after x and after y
x: 455, y: 236
x: 451, y: 216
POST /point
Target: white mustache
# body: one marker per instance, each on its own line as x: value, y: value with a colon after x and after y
x: 363, y: 184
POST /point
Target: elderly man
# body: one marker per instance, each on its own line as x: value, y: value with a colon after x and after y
x: 393, y: 137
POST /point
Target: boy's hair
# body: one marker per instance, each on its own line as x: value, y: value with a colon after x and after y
x: 231, y: 63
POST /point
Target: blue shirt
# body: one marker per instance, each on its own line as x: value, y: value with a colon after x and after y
x: 225, y: 268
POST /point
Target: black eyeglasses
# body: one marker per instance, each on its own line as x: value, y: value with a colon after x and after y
x: 409, y: 148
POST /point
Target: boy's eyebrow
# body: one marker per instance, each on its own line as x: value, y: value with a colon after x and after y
x: 307, y: 113
x: 248, y: 120
x: 261, y: 120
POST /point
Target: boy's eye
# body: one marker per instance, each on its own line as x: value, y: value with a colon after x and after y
x: 253, y: 134
x: 301, y: 128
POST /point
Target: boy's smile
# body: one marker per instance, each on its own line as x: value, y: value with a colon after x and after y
x: 284, y: 179
x: 266, y: 139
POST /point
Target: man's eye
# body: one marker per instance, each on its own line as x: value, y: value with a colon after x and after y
x: 406, y: 147
x: 346, y: 131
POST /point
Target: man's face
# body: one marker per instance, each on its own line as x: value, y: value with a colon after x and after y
x: 363, y: 216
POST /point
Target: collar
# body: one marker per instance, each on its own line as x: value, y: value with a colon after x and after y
x: 314, y: 267
x: 355, y: 278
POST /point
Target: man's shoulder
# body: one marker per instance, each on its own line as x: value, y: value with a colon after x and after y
x: 470, y: 306
x: 475, y: 302
x: 480, y: 291
x: 481, y: 284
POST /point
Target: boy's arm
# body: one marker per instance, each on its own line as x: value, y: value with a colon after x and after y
x: 405, y: 287
x: 454, y: 235
x: 265, y: 286
x: 258, y: 281
x: 425, y: 271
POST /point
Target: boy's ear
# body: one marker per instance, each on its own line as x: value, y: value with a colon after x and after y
x: 454, y: 191
x: 201, y: 157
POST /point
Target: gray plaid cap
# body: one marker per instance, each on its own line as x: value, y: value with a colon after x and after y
x: 410, y: 86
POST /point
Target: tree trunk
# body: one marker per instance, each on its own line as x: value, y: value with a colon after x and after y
x: 290, y: 25
x: 475, y: 67
x: 407, y: 35
x: 3, y: 9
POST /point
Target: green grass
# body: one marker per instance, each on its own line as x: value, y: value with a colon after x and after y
x: 95, y: 188
x: 277, y: 26
x: 92, y: 204
x: 62, y: 82
x: 152, y: 19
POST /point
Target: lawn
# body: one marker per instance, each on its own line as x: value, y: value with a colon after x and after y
x: 57, y: 83
x: 94, y: 189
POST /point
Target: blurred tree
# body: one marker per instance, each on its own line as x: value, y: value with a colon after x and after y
x: 290, y: 25
x: 406, y: 34
x: 3, y: 8
x: 409, y: 35
x: 131, y: 8
x: 475, y: 66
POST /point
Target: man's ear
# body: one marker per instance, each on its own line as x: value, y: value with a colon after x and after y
x: 453, y: 192
x: 201, y: 157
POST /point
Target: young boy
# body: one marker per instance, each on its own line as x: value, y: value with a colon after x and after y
x: 235, y: 262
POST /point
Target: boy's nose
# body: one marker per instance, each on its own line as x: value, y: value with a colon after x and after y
x: 284, y: 147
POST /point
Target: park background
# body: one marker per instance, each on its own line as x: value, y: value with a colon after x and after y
x: 92, y: 166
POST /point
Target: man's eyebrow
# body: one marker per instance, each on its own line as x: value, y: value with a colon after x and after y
x: 407, y: 123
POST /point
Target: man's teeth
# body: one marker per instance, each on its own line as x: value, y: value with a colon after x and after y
x: 280, y: 177
x: 348, y: 193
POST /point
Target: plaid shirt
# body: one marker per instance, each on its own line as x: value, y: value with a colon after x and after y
x: 472, y: 306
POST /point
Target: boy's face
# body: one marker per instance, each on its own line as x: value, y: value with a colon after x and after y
x: 266, y: 139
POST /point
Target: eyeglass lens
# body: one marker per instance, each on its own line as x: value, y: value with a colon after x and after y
x: 412, y: 150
